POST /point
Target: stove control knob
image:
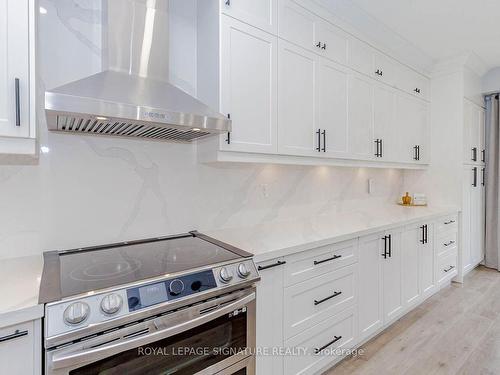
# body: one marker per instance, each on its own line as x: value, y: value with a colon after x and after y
x: 176, y: 287
x: 243, y: 271
x: 111, y: 304
x: 76, y: 313
x: 225, y: 275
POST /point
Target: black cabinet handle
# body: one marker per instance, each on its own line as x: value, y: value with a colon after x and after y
x: 228, y: 139
x: 336, y: 338
x: 228, y: 3
x: 318, y: 45
x: 324, y: 141
x: 449, y: 222
x: 449, y: 269
x: 324, y: 46
x: 390, y: 245
x: 418, y: 152
x: 376, y: 149
x: 385, y: 247
x: 449, y: 243
x: 13, y: 336
x: 316, y: 262
x: 423, y: 234
x: 18, y: 102
x: 483, y: 156
x: 426, y: 233
x: 417, y: 90
x: 278, y: 263
x: 474, y: 182
x: 379, y: 148
x: 318, y: 133
x: 483, y: 171
x: 335, y: 294
x: 474, y: 153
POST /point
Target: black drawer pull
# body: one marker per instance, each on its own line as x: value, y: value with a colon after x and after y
x: 449, y: 243
x: 449, y: 222
x: 449, y: 269
x: 316, y: 262
x: 13, y: 336
x: 278, y: 263
x: 316, y: 303
x: 336, y: 338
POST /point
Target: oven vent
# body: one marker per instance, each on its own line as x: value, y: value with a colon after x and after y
x: 83, y: 125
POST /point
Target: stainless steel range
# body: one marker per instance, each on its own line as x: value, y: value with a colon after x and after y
x: 173, y: 305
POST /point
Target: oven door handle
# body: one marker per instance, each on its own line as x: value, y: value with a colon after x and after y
x: 61, y: 361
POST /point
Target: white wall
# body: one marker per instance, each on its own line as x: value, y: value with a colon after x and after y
x: 91, y: 190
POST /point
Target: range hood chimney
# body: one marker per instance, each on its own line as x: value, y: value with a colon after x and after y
x: 133, y: 97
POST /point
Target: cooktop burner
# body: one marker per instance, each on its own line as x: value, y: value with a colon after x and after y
x: 95, y: 268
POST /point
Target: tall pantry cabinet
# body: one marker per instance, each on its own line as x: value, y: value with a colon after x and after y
x: 473, y: 206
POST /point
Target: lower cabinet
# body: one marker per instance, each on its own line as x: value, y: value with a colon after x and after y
x: 20, y: 349
x: 269, y: 319
x: 318, y: 305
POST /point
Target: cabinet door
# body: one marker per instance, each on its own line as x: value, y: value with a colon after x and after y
x: 17, y: 349
x: 332, y: 110
x: 258, y: 13
x: 249, y: 87
x: 477, y: 221
x: 412, y: 122
x: 269, y: 319
x: 298, y: 25
x: 297, y: 101
x: 360, y: 117
x: 386, y: 68
x: 427, y: 264
x: 467, y: 131
x: 370, y: 300
x: 361, y: 57
x: 413, y: 239
x: 384, y: 113
x: 392, y: 277
x: 482, y: 136
x: 14, y: 68
x: 333, y: 42
x: 467, y: 220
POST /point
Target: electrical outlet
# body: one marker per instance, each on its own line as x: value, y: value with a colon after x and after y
x: 371, y: 186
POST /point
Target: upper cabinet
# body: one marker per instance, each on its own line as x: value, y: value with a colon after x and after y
x: 312, y: 90
x: 17, y: 128
x: 248, y: 87
x: 259, y: 13
x: 474, y: 133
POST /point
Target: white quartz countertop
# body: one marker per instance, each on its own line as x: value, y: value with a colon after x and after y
x: 19, y: 286
x: 275, y: 239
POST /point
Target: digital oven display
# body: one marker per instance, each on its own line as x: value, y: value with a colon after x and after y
x: 153, y: 294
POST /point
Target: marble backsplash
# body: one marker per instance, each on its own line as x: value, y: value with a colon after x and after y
x: 90, y: 190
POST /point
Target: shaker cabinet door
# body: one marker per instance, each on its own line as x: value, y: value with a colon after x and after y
x: 249, y: 87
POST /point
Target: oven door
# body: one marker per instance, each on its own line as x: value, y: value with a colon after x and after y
x: 213, y: 337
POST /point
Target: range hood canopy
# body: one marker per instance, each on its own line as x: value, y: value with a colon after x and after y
x: 133, y: 97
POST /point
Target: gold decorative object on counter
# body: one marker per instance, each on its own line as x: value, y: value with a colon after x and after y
x: 406, y: 199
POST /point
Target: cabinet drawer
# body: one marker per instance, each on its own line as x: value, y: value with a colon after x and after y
x: 446, y: 241
x: 312, y: 301
x: 447, y: 266
x: 331, y: 336
x: 308, y: 264
x: 447, y: 223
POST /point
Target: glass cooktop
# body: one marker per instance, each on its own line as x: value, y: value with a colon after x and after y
x: 93, y: 269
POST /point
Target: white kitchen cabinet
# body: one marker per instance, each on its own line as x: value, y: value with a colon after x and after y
x: 427, y: 262
x: 370, y: 287
x: 360, y: 115
x: 474, y: 133
x: 249, y: 87
x: 384, y: 121
x: 297, y: 101
x: 333, y: 85
x: 269, y: 316
x: 412, y: 82
x: 412, y: 118
x: 305, y: 29
x: 259, y: 13
x: 17, y: 77
x: 473, y: 217
x: 392, y: 269
x: 20, y: 349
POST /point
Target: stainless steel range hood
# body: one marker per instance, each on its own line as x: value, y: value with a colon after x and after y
x: 133, y: 97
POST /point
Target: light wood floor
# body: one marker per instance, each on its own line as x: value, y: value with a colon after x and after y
x: 456, y: 331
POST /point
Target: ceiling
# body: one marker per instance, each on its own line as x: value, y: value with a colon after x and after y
x: 441, y: 29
